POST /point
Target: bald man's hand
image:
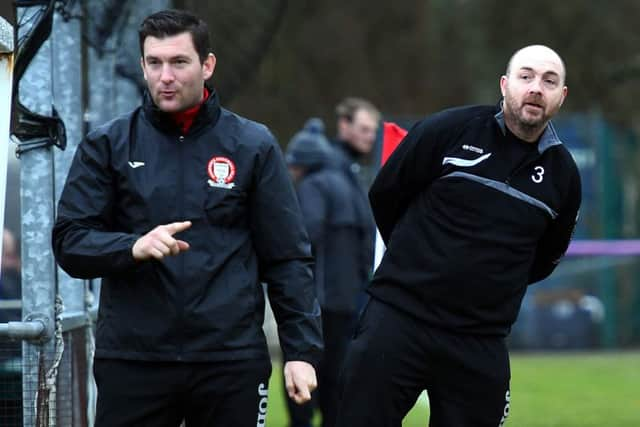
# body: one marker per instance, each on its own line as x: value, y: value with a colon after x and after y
x: 300, y: 380
x: 159, y: 242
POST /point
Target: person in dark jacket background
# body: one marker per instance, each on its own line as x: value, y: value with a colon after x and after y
x: 184, y: 208
x: 475, y: 203
x: 338, y: 219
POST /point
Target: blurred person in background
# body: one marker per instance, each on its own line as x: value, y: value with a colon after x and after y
x: 10, y: 275
x: 338, y: 219
x: 184, y: 208
x: 357, y: 122
x: 475, y: 204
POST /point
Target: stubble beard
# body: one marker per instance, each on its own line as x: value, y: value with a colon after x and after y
x: 524, y: 127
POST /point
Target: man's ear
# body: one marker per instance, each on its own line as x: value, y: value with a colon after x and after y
x: 208, y: 66
x: 503, y: 84
x: 565, y: 92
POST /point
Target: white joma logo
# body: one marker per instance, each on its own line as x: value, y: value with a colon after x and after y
x: 505, y: 412
x: 136, y: 164
x: 262, y: 405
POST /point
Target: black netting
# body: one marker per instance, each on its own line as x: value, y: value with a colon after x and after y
x: 69, y: 400
x: 10, y: 383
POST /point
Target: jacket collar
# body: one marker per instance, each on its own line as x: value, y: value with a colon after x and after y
x: 207, y: 116
x: 548, y: 139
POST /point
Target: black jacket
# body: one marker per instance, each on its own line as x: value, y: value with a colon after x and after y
x: 471, y: 215
x: 338, y: 218
x: 227, y: 176
x: 355, y: 163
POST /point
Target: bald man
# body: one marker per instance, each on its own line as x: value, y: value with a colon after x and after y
x: 476, y: 203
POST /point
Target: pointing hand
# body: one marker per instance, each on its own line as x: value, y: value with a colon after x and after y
x: 160, y: 242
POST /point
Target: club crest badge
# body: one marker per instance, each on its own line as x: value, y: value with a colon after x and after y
x: 221, y: 170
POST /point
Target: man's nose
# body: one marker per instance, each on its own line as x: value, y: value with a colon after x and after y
x: 536, y: 86
x: 167, y: 75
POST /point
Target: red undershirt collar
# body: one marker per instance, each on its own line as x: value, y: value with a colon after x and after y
x: 184, y: 119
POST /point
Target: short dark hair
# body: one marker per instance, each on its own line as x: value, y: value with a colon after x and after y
x: 168, y: 23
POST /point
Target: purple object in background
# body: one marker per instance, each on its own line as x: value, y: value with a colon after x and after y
x: 604, y: 247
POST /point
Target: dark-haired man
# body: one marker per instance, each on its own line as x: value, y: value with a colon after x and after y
x: 184, y: 208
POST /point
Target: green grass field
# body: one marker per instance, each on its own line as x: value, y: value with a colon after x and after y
x: 547, y: 390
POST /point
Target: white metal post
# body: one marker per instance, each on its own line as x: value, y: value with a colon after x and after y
x: 36, y: 194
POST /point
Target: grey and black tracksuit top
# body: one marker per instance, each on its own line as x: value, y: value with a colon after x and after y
x: 471, y: 215
x: 227, y: 176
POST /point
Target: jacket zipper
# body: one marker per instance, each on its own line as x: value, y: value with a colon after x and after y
x: 180, y: 291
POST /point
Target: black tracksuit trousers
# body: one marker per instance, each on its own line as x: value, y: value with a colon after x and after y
x: 394, y: 356
x: 162, y: 394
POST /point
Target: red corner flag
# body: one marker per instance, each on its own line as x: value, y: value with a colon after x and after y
x: 391, y: 137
